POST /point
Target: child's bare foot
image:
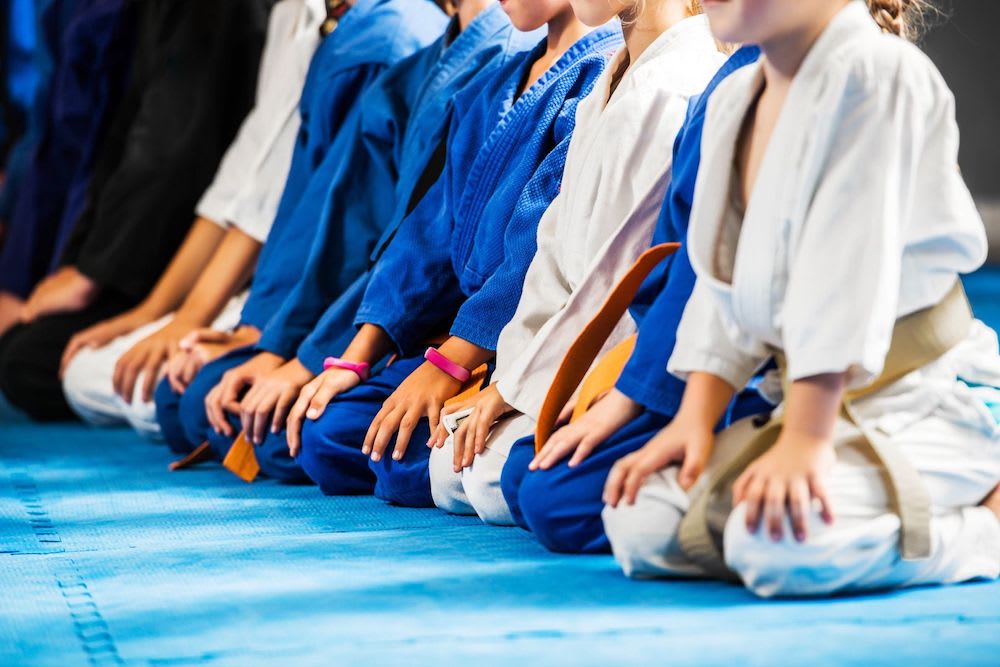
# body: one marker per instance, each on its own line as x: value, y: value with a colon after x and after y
x: 992, y: 501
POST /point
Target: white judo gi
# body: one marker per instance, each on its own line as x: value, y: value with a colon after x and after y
x: 859, y: 216
x: 245, y: 194
x: 616, y: 174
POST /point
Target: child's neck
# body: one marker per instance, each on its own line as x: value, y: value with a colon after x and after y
x: 564, y: 30
x: 643, y: 29
x: 785, y: 53
x: 468, y: 10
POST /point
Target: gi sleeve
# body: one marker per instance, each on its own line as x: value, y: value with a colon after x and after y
x: 358, y: 201
x: 414, y: 292
x: 706, y: 343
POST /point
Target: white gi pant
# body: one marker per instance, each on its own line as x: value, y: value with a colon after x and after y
x: 955, y: 449
x: 476, y: 490
x: 87, y: 381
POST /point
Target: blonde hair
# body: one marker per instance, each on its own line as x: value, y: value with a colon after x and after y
x: 904, y: 18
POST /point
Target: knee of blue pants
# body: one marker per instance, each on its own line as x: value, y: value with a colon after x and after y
x: 275, y: 461
x: 168, y: 415
x: 514, y: 472
x: 406, y: 482
x: 338, y: 468
x: 220, y: 443
x: 563, y: 517
x: 193, y: 418
x: 562, y: 506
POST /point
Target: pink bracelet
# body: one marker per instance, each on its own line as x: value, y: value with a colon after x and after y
x: 447, y: 365
x: 362, y: 369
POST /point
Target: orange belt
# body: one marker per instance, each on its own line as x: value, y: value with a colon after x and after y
x: 581, y: 354
x: 240, y: 460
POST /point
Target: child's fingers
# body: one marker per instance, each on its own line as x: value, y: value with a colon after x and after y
x: 754, y: 498
x: 613, y: 485
x: 483, y: 426
x: 387, y: 427
x: 818, y: 490
x: 320, y: 399
x: 774, y: 507
x: 281, y: 408
x: 633, y: 481
x: 798, y: 508
x: 583, y: 450
x: 261, y: 418
x: 566, y: 413
x: 458, y: 444
x: 150, y: 374
x: 406, y: 427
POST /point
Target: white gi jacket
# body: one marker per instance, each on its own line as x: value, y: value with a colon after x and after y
x: 616, y: 174
x: 249, y: 182
x: 859, y: 216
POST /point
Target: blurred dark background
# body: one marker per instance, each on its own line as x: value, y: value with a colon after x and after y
x: 964, y: 42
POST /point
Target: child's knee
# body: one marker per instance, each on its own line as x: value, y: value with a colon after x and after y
x: 643, y: 535
x: 276, y: 462
x: 192, y: 416
x: 446, y: 484
x: 81, y: 387
x: 337, y: 469
x: 481, y: 483
x: 771, y: 568
x: 553, y: 521
x: 169, y: 419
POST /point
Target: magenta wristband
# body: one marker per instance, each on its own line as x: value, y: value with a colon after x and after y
x: 447, y: 365
x: 362, y: 369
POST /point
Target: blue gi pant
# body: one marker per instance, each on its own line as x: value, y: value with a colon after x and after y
x: 331, y: 445
x: 562, y: 506
x: 185, y: 424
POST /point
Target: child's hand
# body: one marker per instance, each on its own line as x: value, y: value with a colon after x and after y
x: 420, y: 395
x: 267, y: 401
x: 226, y: 396
x: 470, y: 438
x: 147, y: 357
x: 202, y: 346
x: 313, y: 399
x: 786, y: 479
x: 690, y: 443
x: 65, y: 291
x: 608, y: 414
x: 102, y: 333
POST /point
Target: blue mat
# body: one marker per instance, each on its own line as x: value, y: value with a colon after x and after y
x: 107, y: 558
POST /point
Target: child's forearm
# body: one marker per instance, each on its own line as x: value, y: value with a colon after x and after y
x: 370, y: 344
x: 226, y: 273
x: 812, y: 405
x: 464, y: 353
x: 184, y: 269
x: 706, y: 398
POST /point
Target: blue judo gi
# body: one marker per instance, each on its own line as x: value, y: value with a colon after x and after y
x: 92, y: 59
x: 387, y: 166
x: 371, y: 37
x: 562, y: 506
x: 457, y: 262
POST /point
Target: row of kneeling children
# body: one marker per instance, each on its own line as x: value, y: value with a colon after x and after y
x: 580, y: 266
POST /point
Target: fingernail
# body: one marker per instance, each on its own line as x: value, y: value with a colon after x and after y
x: 375, y: 457
x: 396, y: 456
x: 312, y: 414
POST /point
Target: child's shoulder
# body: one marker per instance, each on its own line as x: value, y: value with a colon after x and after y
x: 876, y: 61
